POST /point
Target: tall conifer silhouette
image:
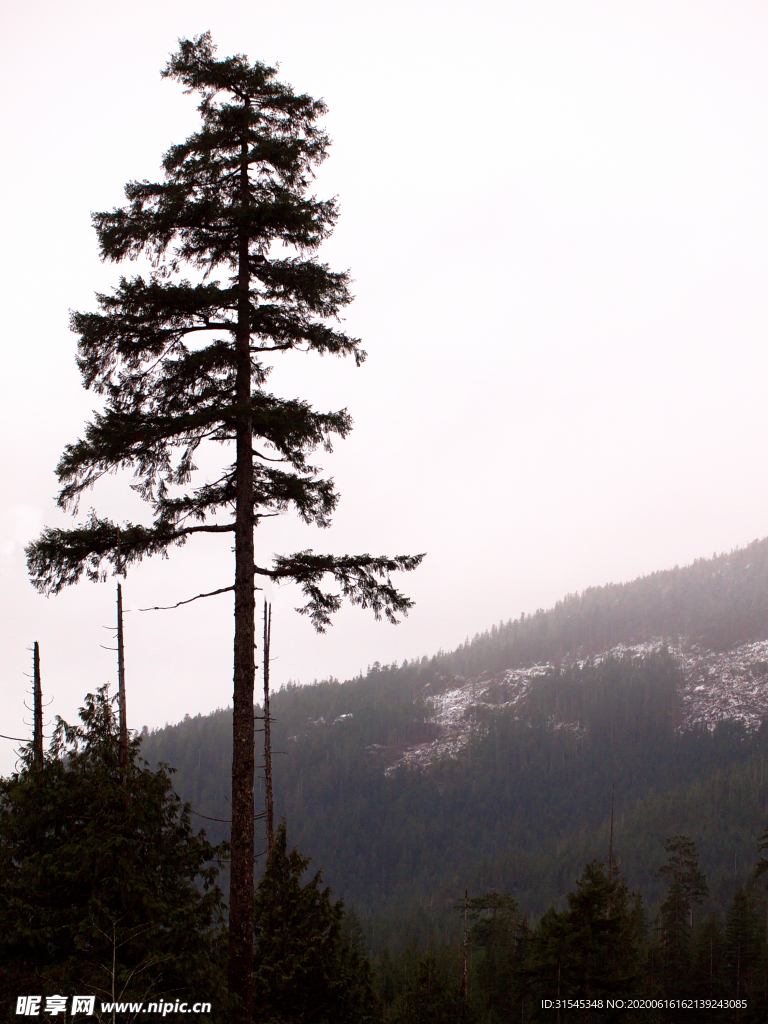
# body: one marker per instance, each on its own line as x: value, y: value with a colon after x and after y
x: 180, y: 363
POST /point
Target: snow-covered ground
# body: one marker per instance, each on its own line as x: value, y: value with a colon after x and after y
x: 718, y: 686
x: 458, y: 708
x: 729, y: 685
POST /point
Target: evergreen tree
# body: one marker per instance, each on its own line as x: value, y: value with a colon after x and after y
x: 760, y: 906
x: 608, y: 930
x: 592, y: 950
x: 104, y: 886
x: 499, y: 932
x: 708, y: 959
x: 306, y: 970
x: 686, y: 885
x: 742, y: 943
x: 387, y: 979
x: 432, y: 995
x: 548, y: 968
x: 760, y: 874
x: 761, y: 867
x: 184, y: 363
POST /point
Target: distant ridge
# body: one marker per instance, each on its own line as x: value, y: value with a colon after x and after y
x: 495, y: 765
x: 716, y: 602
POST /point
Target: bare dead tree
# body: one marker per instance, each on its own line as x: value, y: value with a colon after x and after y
x: 268, y: 801
x: 37, y: 728
x: 123, y: 720
x: 121, y: 707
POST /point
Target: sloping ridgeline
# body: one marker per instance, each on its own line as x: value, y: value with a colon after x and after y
x: 717, y: 602
x: 527, y: 801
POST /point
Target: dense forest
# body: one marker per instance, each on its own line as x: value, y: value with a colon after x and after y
x: 580, y: 847
x: 521, y: 809
x: 527, y: 816
x: 105, y: 882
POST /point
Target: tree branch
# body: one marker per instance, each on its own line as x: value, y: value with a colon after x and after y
x: 266, y: 457
x: 169, y: 607
x: 213, y: 528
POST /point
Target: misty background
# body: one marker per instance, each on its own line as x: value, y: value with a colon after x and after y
x: 556, y: 216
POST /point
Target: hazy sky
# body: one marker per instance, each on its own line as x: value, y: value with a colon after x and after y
x: 556, y: 216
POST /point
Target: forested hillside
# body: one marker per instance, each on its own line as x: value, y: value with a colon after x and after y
x: 527, y: 800
x: 717, y: 602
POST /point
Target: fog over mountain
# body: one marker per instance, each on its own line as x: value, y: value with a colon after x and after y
x: 492, y: 766
x: 556, y: 219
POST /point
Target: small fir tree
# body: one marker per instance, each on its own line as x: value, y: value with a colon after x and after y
x: 708, y: 974
x: 760, y: 875
x: 306, y: 970
x: 498, y: 931
x: 432, y: 994
x: 104, y: 886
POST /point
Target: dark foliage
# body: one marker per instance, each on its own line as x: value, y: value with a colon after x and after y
x: 520, y: 810
x: 430, y: 993
x: 500, y: 940
x: 593, y: 950
x: 686, y: 886
x: 105, y: 888
x: 181, y: 365
x: 309, y: 970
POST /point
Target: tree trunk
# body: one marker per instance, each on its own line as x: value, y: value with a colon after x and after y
x: 121, y: 684
x: 241, y: 886
x: 37, y: 728
x: 268, y: 801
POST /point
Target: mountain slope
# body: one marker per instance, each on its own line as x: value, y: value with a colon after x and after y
x: 716, y: 603
x: 494, y: 765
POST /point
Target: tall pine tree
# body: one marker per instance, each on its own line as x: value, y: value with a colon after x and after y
x: 686, y: 885
x: 742, y: 942
x: 591, y: 950
x: 182, y: 363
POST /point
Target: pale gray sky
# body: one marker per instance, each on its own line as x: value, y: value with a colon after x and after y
x: 556, y: 215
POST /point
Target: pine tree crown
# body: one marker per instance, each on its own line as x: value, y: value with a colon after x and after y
x: 162, y: 350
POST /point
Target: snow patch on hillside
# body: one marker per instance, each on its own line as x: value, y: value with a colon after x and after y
x: 731, y: 685
x: 718, y: 686
x: 458, y: 709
